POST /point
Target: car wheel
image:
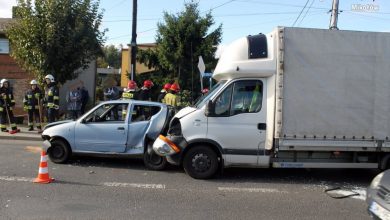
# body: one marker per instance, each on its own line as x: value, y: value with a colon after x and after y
x: 200, y: 162
x: 153, y: 161
x: 59, y: 151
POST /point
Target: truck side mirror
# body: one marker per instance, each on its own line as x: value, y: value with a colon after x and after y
x: 210, y: 109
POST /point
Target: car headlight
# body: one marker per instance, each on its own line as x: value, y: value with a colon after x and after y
x: 375, y: 182
x: 164, y: 147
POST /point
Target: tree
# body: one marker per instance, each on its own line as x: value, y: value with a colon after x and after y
x: 112, y: 57
x: 56, y: 37
x: 180, y: 40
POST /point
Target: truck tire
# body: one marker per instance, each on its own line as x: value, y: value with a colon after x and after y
x: 59, y: 152
x: 153, y: 161
x: 200, y: 162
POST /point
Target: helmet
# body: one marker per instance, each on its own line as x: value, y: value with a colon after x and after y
x: 33, y: 82
x: 205, y: 90
x: 131, y: 85
x: 50, y: 77
x: 148, y: 83
x: 3, y: 81
x: 175, y: 87
x: 167, y: 86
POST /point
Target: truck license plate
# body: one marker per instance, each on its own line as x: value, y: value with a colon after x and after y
x: 379, y: 211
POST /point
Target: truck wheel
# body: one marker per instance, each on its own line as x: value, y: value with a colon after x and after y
x: 59, y: 151
x: 200, y: 162
x: 153, y: 161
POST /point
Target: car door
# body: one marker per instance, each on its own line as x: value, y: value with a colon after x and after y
x: 140, y: 123
x: 238, y: 123
x: 103, y: 130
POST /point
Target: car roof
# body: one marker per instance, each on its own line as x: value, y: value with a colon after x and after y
x: 134, y: 101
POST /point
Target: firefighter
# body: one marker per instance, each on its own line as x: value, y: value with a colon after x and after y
x: 131, y: 91
x: 145, y: 93
x: 163, y: 92
x: 52, y: 99
x: 7, y: 101
x: 172, y: 98
x: 32, y: 104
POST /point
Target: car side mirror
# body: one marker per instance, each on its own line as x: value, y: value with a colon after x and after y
x: 83, y: 121
x: 210, y: 109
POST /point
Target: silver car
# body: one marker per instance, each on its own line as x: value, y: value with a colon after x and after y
x: 378, y: 196
x: 115, y: 128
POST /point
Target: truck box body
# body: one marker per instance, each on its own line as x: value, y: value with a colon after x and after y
x: 335, y: 84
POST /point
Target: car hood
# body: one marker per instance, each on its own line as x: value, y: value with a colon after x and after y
x: 57, y: 123
x: 185, y: 111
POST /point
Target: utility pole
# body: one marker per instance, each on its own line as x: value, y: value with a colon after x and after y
x: 133, y: 43
x: 334, y: 15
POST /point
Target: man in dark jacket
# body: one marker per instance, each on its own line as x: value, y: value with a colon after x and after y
x: 7, y: 102
x: 145, y: 93
x: 52, y: 98
x: 32, y: 104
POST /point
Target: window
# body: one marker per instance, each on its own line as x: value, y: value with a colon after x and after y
x: 114, y: 112
x: 257, y: 46
x: 4, y: 46
x: 247, y: 97
x: 143, y: 112
x: 222, y: 103
x: 240, y: 97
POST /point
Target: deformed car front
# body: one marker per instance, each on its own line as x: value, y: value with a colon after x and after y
x: 378, y: 196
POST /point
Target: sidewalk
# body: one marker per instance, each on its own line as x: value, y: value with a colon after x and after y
x: 24, y: 134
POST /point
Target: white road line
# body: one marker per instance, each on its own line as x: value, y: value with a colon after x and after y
x: 261, y: 190
x: 134, y: 185
x: 16, y: 179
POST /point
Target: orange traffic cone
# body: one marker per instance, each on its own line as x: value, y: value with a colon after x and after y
x: 43, y: 173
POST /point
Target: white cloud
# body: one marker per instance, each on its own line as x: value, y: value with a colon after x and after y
x: 6, y: 8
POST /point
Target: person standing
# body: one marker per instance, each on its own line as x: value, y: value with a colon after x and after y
x: 113, y: 93
x: 32, y: 104
x: 7, y: 101
x: 84, y: 99
x: 172, y: 98
x: 146, y: 93
x: 163, y: 92
x: 52, y: 98
x: 131, y: 91
x: 73, y: 99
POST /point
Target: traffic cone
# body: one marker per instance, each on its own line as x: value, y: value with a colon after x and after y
x: 43, y: 173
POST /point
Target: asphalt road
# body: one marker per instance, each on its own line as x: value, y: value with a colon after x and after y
x: 100, y: 188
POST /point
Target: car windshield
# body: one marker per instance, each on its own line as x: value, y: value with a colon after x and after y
x: 203, y: 99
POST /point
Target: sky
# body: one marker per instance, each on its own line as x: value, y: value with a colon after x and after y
x: 238, y: 17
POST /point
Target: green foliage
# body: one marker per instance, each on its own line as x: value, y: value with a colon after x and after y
x: 181, y: 39
x: 56, y: 37
x: 112, y: 57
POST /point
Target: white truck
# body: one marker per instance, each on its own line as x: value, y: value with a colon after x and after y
x: 293, y: 98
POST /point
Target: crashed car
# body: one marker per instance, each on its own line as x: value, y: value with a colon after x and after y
x: 378, y: 196
x: 112, y: 128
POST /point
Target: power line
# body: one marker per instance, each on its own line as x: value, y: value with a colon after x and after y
x: 218, y: 6
x: 306, y: 12
x: 300, y: 13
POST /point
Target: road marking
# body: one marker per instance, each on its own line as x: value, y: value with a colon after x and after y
x: 135, y: 185
x: 33, y: 149
x: 261, y: 190
x: 16, y: 179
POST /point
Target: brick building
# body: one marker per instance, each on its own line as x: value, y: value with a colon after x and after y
x: 18, y: 78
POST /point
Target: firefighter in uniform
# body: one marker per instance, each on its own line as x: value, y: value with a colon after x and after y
x: 163, y: 92
x: 131, y: 91
x: 52, y: 98
x: 145, y: 93
x: 172, y: 98
x: 7, y: 101
x: 32, y: 104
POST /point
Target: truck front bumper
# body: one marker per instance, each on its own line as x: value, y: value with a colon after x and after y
x: 171, y: 147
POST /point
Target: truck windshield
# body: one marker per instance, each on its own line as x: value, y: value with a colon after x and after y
x: 203, y: 99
